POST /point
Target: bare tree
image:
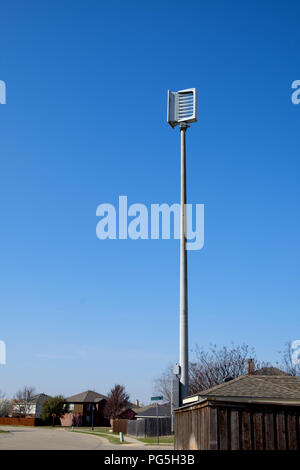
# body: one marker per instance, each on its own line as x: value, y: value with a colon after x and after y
x: 210, y: 368
x: 162, y: 385
x: 23, y: 401
x: 5, y: 405
x: 117, y: 402
x: 291, y: 359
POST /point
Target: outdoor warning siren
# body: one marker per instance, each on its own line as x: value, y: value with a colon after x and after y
x: 182, y: 106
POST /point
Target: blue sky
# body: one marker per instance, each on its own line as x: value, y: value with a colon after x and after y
x: 85, y: 122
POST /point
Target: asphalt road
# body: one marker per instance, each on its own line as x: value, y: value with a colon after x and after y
x: 29, y: 438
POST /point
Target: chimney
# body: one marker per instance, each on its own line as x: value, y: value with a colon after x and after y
x: 250, y: 366
x: 137, y: 403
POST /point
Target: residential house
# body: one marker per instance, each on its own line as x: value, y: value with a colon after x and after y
x: 85, y: 409
x: 151, y: 420
x: 153, y: 411
x: 32, y: 408
x: 129, y: 413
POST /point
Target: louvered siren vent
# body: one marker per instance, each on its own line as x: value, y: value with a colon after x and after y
x: 185, y: 105
x: 182, y: 106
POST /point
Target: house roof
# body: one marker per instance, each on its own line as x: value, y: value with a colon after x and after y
x: 151, y: 410
x: 39, y: 397
x: 89, y: 396
x: 270, y: 387
x: 270, y: 371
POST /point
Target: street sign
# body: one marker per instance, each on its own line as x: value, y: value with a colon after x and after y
x: 157, y: 420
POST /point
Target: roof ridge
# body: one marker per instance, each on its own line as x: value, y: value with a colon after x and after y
x: 216, y: 387
x: 276, y: 376
x: 82, y: 396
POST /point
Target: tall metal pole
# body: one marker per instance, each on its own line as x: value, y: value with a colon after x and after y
x: 93, y: 410
x: 157, y: 423
x: 183, y: 336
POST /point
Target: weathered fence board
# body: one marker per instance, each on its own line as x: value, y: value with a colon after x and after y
x: 213, y: 429
x: 269, y: 431
x: 258, y: 431
x: 281, y: 440
x: 235, y: 430
x: 213, y: 425
x: 223, y: 430
x: 292, y: 432
x: 246, y: 431
x: 147, y: 427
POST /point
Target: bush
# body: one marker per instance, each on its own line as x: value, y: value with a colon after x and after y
x: 54, y: 405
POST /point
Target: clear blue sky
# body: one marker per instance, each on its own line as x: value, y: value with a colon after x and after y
x: 85, y: 122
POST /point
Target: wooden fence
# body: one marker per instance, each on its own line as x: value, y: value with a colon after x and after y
x: 119, y: 425
x: 18, y: 421
x: 148, y: 427
x: 237, y: 426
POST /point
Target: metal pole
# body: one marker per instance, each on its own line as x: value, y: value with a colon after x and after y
x: 93, y: 410
x: 183, y: 340
x: 172, y: 405
x: 157, y: 425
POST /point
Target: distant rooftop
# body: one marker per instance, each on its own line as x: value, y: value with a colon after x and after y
x: 88, y: 396
x: 151, y: 410
x: 39, y: 397
x: 270, y: 371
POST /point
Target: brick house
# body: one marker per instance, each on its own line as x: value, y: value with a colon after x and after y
x: 85, y: 409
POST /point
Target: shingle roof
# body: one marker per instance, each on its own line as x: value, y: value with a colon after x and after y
x: 257, y: 386
x: 270, y: 371
x: 150, y: 410
x: 86, y: 397
x: 39, y: 397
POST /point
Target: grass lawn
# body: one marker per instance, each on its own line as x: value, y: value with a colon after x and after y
x: 114, y: 437
x: 109, y: 436
x: 163, y: 440
x: 96, y: 429
x: 1, y: 430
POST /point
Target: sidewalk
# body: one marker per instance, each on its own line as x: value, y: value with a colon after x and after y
x: 129, y: 441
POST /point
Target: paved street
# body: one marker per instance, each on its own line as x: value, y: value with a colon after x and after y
x: 27, y: 438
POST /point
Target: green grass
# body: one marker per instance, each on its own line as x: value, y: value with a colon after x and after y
x: 113, y: 438
x: 109, y: 437
x: 1, y: 431
x: 163, y: 440
x: 104, y: 429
